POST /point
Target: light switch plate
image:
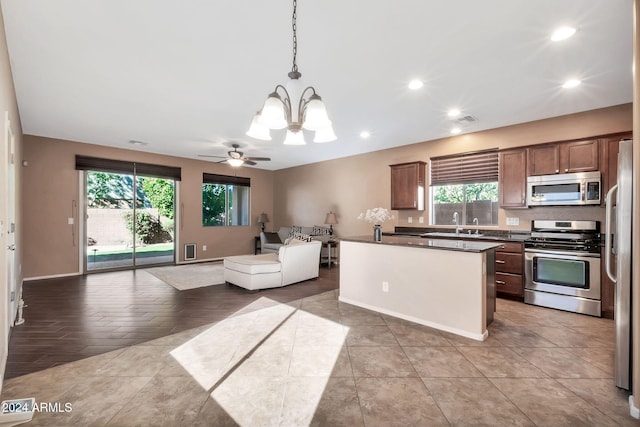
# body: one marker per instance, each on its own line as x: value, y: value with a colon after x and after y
x: 421, y: 220
x: 513, y: 221
x: 410, y: 220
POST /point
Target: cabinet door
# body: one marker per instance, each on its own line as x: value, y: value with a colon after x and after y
x: 510, y: 284
x: 579, y: 156
x: 513, y: 178
x: 543, y: 160
x: 407, y: 186
x: 609, y: 161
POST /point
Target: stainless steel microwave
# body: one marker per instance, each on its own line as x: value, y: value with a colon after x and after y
x: 568, y: 189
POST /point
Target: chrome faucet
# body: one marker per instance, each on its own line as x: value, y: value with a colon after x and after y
x: 477, y: 224
x: 456, y: 220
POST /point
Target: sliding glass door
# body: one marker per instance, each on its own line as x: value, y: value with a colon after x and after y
x: 129, y: 220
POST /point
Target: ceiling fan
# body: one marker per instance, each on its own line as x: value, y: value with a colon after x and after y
x: 237, y: 158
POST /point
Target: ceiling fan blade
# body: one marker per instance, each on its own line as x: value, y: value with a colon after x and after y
x: 205, y: 155
x: 249, y: 162
x: 264, y: 159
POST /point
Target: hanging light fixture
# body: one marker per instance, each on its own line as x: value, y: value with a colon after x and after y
x: 279, y: 111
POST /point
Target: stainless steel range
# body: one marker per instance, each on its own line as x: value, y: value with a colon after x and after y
x: 562, y: 266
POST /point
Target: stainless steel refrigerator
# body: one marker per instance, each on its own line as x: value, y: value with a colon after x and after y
x: 618, y: 242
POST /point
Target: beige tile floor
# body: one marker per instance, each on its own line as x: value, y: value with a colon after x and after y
x: 320, y: 362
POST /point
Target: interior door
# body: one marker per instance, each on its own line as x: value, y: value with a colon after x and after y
x: 11, y: 223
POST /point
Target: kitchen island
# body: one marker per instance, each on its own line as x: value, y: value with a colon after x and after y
x: 445, y: 284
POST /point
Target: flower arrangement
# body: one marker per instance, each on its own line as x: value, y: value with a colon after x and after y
x: 375, y: 215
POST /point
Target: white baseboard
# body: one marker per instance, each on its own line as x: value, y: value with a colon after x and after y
x: 477, y: 337
x: 197, y: 261
x: 633, y: 410
x: 53, y: 276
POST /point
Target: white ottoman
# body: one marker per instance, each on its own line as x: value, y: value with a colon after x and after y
x: 253, y: 271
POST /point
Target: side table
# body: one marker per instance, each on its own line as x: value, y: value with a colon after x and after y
x: 330, y: 245
x: 257, y: 245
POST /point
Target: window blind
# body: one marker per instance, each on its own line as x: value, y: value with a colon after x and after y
x: 467, y: 168
x: 121, y: 166
x: 211, y: 178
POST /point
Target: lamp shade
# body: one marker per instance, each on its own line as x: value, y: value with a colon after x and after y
x: 257, y: 130
x: 325, y: 134
x: 273, y: 113
x: 315, y: 115
x: 331, y: 219
x: 262, y: 218
x: 294, y: 138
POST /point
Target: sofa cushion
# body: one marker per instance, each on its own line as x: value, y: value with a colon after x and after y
x: 272, y: 237
x: 254, y: 264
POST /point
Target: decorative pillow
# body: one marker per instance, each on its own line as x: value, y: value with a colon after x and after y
x: 272, y: 237
x: 296, y: 241
x: 303, y: 237
x: 288, y: 240
x: 295, y: 229
x: 320, y: 231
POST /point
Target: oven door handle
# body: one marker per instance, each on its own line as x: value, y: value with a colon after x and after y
x: 561, y: 254
x: 608, y: 239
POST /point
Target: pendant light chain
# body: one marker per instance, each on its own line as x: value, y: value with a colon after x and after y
x: 294, y: 69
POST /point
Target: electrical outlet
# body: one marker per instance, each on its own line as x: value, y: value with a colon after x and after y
x: 204, y: 248
x: 421, y: 220
x: 513, y: 221
x: 13, y: 296
x: 410, y: 220
x: 385, y: 286
x: 70, y: 221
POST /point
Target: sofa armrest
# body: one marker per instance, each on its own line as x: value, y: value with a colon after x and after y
x: 300, y: 261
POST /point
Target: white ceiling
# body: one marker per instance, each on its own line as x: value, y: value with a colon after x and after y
x: 187, y: 76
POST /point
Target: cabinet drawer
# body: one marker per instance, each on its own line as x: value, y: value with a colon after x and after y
x: 508, y: 263
x: 510, y: 247
x: 510, y: 284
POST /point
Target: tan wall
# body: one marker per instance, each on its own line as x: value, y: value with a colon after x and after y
x: 8, y: 104
x: 635, y: 275
x: 51, y: 185
x: 350, y: 185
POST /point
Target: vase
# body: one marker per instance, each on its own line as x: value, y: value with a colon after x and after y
x: 377, y: 233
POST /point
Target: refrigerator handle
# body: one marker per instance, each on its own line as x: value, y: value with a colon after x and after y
x: 608, y: 240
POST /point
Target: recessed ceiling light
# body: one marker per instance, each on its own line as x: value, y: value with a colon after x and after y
x: 365, y: 134
x: 456, y: 131
x: 562, y: 33
x: 571, y: 83
x: 136, y: 142
x: 454, y: 112
x: 415, y: 84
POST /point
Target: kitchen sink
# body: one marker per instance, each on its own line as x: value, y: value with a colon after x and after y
x: 450, y: 235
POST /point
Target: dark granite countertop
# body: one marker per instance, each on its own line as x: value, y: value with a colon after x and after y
x: 491, y: 235
x: 421, y: 242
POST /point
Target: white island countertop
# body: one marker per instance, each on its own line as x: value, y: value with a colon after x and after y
x: 421, y: 242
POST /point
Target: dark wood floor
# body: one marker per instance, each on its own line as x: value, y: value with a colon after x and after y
x: 73, y: 318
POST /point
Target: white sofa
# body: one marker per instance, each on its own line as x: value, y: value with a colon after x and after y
x: 293, y: 263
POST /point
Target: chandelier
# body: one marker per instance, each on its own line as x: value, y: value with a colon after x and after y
x: 280, y: 110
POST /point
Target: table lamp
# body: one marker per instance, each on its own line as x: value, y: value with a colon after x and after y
x: 262, y: 218
x: 331, y: 219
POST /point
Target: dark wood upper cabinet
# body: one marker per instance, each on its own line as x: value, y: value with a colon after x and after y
x: 579, y: 156
x: 408, y: 185
x: 609, y: 161
x: 564, y: 157
x: 543, y: 160
x: 513, y: 178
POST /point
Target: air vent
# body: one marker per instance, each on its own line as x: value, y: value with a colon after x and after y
x: 466, y: 119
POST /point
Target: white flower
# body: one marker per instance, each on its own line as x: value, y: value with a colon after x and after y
x: 375, y: 215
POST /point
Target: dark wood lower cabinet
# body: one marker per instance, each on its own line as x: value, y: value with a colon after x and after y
x: 510, y: 270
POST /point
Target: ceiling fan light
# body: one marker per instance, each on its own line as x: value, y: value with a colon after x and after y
x: 325, y: 134
x: 315, y: 115
x: 273, y: 114
x: 257, y: 130
x: 235, y: 162
x: 294, y: 138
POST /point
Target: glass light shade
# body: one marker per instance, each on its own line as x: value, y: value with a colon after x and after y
x: 273, y: 114
x: 325, y: 134
x: 315, y: 115
x: 294, y: 138
x: 257, y: 130
x: 235, y: 162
